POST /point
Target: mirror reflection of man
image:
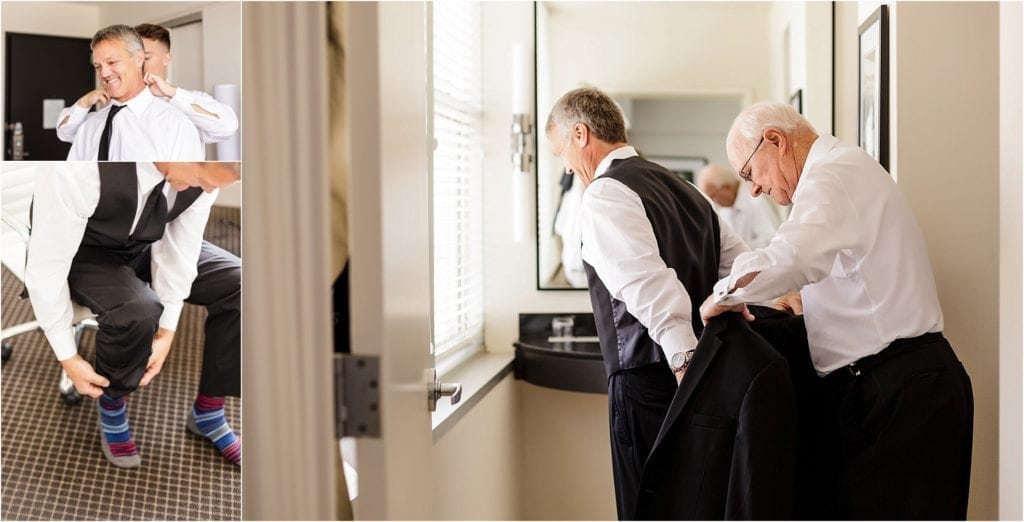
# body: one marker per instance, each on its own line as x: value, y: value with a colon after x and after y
x: 126, y: 241
x: 752, y: 218
x: 215, y: 121
x: 135, y: 125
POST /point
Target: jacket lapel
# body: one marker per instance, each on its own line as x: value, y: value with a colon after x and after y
x: 707, y: 348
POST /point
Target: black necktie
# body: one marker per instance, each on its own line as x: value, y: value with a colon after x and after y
x: 108, y: 128
x: 154, y: 216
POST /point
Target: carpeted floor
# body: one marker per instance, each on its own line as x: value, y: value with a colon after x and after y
x: 51, y: 466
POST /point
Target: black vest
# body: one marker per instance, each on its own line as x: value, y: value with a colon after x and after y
x: 686, y: 228
x: 109, y: 226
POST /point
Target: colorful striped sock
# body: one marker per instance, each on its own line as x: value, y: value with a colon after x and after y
x: 208, y: 420
x: 118, y: 444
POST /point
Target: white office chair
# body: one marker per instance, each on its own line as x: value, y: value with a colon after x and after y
x: 16, y: 185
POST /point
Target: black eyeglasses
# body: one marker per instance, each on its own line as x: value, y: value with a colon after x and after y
x: 746, y: 177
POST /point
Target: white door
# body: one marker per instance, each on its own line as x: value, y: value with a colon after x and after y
x: 386, y: 67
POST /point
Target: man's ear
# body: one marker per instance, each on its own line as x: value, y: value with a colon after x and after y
x: 776, y: 137
x: 167, y: 60
x: 140, y: 60
x: 580, y: 135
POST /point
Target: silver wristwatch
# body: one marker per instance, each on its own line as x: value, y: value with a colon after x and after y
x: 680, y: 360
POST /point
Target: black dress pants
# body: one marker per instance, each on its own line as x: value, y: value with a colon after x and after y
x: 897, y: 434
x: 638, y: 400
x: 115, y: 286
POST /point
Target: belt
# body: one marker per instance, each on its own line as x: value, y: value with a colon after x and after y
x: 896, y: 348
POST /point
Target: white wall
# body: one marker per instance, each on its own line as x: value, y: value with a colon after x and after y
x: 74, y: 19
x: 945, y: 155
x: 1011, y: 234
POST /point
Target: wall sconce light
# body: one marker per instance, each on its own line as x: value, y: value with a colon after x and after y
x: 522, y: 142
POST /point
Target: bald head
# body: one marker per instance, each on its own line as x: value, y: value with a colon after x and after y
x: 718, y: 183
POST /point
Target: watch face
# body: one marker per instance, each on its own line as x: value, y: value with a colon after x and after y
x: 678, y: 361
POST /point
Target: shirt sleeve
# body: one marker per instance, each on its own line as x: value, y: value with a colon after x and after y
x: 184, y: 141
x: 69, y: 120
x: 803, y: 249
x: 619, y: 242
x: 175, y: 256
x: 64, y: 198
x: 216, y: 121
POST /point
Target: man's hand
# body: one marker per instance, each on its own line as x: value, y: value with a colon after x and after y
x: 92, y: 98
x: 709, y: 309
x: 86, y: 380
x: 679, y: 376
x: 161, y: 347
x: 790, y: 302
x: 159, y: 86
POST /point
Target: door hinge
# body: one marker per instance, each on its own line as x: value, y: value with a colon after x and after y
x: 357, y: 395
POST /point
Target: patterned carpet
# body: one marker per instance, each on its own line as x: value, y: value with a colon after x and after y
x: 51, y: 467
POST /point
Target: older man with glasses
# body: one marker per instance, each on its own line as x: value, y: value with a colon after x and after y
x: 894, y: 429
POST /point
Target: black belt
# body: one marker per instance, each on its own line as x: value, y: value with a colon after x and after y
x: 898, y: 347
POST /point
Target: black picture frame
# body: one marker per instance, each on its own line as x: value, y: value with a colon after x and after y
x: 873, y: 85
x: 797, y: 100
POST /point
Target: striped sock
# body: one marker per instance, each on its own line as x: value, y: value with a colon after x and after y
x: 114, y: 422
x: 208, y: 419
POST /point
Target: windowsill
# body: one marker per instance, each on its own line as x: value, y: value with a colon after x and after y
x: 478, y: 376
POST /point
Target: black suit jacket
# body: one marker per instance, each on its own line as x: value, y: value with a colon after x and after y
x: 726, y: 448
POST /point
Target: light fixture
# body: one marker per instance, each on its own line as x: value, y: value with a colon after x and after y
x: 522, y: 132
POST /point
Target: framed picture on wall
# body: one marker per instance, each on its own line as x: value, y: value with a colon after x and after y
x: 797, y: 100
x: 873, y: 88
x: 686, y: 167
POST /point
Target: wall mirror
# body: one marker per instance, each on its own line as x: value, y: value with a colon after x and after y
x: 681, y: 72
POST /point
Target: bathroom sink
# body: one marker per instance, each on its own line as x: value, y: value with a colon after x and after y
x: 565, y: 362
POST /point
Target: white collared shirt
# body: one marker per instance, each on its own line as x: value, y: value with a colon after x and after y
x: 853, y: 246
x: 148, y: 129
x: 65, y: 196
x: 619, y: 242
x: 215, y: 123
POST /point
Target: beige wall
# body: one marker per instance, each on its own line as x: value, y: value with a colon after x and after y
x: 477, y: 465
x: 945, y: 150
x: 567, y: 466
x: 57, y: 18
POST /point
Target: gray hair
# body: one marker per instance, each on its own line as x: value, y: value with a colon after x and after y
x: 717, y: 176
x: 126, y: 34
x: 593, y: 108
x: 752, y: 122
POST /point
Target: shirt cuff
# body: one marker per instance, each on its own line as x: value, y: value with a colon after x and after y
x: 169, y: 318
x: 722, y: 295
x: 77, y: 115
x: 677, y: 339
x: 63, y: 343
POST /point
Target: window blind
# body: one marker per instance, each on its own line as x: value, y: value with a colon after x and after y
x: 457, y: 210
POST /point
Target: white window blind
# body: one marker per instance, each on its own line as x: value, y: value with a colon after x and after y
x: 457, y: 185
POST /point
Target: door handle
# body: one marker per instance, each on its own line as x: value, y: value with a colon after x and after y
x: 437, y: 389
x: 17, y: 142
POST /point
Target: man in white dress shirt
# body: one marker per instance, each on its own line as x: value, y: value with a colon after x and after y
x: 650, y: 242
x: 215, y: 121
x: 136, y: 125
x: 126, y: 241
x: 897, y: 415
x: 752, y: 218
